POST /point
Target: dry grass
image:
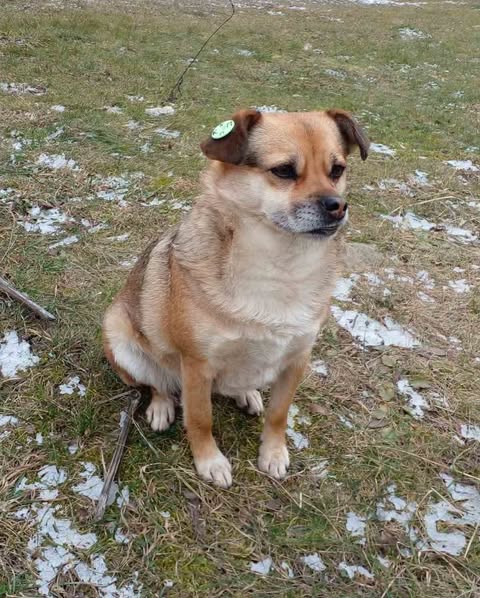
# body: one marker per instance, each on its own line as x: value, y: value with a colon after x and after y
x: 89, y: 56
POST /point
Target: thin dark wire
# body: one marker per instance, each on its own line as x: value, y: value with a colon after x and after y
x: 175, y: 91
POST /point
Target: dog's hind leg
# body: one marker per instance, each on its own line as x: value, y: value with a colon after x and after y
x: 137, y: 368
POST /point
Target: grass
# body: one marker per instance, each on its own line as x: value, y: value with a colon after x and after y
x: 405, y: 93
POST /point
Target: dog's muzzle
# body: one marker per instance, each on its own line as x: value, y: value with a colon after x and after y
x: 320, y: 217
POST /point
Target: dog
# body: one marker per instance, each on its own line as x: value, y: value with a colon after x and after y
x: 232, y: 300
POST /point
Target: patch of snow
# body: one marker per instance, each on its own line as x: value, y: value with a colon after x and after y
x: 113, y: 188
x: 344, y: 287
x: 123, y: 498
x: 416, y: 403
x: 120, y: 537
x: 372, y: 333
x: 262, y: 567
x: 46, y: 221
x: 402, y: 512
x: 8, y: 420
x: 386, y: 563
x: 352, y: 570
x: 286, y: 567
x: 133, y: 125
x: 459, y: 286
x: 146, y: 148
x: 57, y: 108
x: 356, y: 525
x: 346, y: 422
x: 403, y: 188
x: 15, y: 355
x: 470, y: 432
x: 270, y: 109
x: 119, y: 238
x: 319, y: 367
x: 409, y: 221
x: 39, y: 439
x: 92, y: 484
x: 465, y: 512
x: 160, y: 111
x: 245, y: 53
x: 96, y: 575
x: 56, y: 162
x: 72, y: 386
x: 167, y: 133
x: 73, y: 447
x: 49, y: 478
x: 380, y: 148
x: 420, y: 178
x: 168, y: 583
x: 299, y: 440
x: 56, y: 134
x: 313, y: 562
x: 409, y: 33
x: 464, y: 165
x: 22, y: 88
x: 64, y: 242
x: 113, y: 109
x: 135, y: 98
x: 335, y: 73
x: 425, y: 298
x: 128, y: 263
x: 320, y: 470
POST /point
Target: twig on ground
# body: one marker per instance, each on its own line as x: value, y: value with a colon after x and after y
x: 117, y: 456
x: 12, y: 292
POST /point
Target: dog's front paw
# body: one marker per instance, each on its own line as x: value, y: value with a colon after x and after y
x: 216, y: 469
x: 251, y: 401
x: 161, y: 413
x: 274, y: 460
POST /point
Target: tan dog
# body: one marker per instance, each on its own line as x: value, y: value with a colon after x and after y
x: 232, y: 300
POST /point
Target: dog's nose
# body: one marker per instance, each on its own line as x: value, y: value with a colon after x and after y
x: 335, y: 206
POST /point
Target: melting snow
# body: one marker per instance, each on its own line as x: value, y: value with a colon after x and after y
x: 335, y: 73
x: 92, y: 484
x: 299, y: 440
x: 344, y: 287
x: 402, y: 511
x: 320, y: 469
x: 417, y: 404
x: 356, y: 525
x: 459, y: 286
x: 73, y: 447
x: 466, y: 511
x: 319, y: 367
x: 403, y: 188
x: 21, y: 88
x: 470, y: 432
x: 386, y: 563
x: 46, y: 221
x: 246, y: 53
x: 270, y: 109
x: 120, y: 537
x: 54, y: 536
x: 286, y: 567
x: 262, y: 567
x: 8, y: 420
x: 135, y: 98
x: 57, y: 108
x: 71, y: 386
x: 372, y: 333
x: 56, y: 161
x: 409, y: 220
x: 409, y: 33
x: 346, y: 422
x: 15, y: 355
x: 64, y: 242
x: 465, y: 165
x: 380, y: 148
x: 352, y: 570
x: 160, y: 111
x: 119, y: 238
x: 314, y: 562
x: 420, y: 178
x: 113, y: 109
x: 169, y: 134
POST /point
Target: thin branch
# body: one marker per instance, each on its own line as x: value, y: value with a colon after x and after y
x: 175, y: 91
x: 12, y: 292
x: 117, y: 456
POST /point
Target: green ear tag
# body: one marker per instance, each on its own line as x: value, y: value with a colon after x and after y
x: 223, y: 129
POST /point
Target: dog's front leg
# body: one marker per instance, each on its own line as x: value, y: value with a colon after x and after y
x: 273, y: 457
x: 211, y: 465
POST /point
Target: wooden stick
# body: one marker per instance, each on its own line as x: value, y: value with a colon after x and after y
x: 117, y: 456
x: 9, y: 290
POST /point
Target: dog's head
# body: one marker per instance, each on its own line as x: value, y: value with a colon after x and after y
x: 287, y: 168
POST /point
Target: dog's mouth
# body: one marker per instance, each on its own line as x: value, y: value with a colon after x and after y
x: 324, y: 231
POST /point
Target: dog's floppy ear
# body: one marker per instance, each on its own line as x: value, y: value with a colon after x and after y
x: 229, y: 140
x: 351, y: 131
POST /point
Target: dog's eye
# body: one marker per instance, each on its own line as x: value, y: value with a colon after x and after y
x: 285, y: 171
x: 337, y: 171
